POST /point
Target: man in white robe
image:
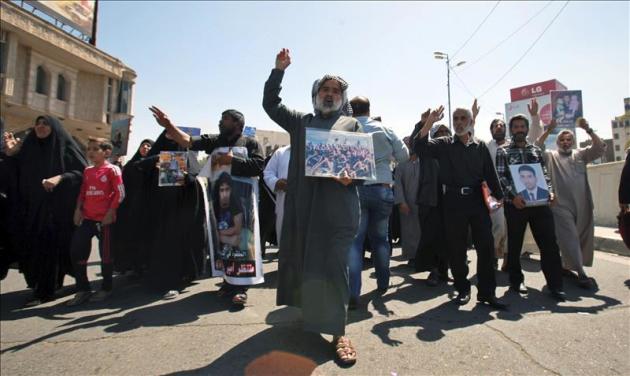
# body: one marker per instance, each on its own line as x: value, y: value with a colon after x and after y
x: 573, y: 213
x: 275, y: 176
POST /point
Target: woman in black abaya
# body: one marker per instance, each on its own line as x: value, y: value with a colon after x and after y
x: 49, y: 169
x: 131, y: 232
x: 177, y: 252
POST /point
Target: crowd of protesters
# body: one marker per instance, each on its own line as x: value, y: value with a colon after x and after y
x: 55, y: 200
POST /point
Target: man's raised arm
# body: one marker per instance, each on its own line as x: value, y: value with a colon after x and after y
x: 272, y: 103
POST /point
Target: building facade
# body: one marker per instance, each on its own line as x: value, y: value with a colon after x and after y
x: 46, y: 71
x: 272, y: 140
x: 621, y: 132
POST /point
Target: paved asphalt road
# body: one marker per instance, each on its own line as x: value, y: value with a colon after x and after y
x: 411, y: 330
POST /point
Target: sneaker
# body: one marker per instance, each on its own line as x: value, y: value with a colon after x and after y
x: 100, y: 295
x: 79, y: 298
x: 172, y: 294
x: 240, y: 299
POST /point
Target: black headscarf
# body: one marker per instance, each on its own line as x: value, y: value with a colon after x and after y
x: 137, y: 156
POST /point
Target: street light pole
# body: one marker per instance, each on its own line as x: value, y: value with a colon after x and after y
x: 448, y: 89
x: 441, y: 56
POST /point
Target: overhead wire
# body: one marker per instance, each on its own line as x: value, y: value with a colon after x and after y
x: 465, y: 87
x: 476, y: 30
x: 508, y: 37
x: 526, y: 51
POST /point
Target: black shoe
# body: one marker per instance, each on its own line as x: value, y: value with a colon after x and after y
x: 520, y: 288
x: 585, y: 282
x: 559, y: 295
x: 462, y: 298
x: 433, y: 279
x: 492, y: 302
x: 353, y: 304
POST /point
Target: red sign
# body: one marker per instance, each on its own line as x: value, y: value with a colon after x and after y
x: 535, y: 90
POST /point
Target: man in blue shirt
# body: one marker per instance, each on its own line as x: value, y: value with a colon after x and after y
x: 377, y: 201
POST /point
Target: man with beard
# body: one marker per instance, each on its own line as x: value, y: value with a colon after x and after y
x: 540, y: 218
x: 573, y: 212
x: 230, y: 135
x: 321, y: 215
x: 465, y: 164
x: 499, y: 140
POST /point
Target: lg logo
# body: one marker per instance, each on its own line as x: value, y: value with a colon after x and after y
x: 537, y: 89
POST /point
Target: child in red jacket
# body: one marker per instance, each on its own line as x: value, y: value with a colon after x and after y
x: 102, y: 191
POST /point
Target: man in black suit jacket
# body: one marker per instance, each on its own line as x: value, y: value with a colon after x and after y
x: 532, y: 191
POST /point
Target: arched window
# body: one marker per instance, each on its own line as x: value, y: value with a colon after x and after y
x: 41, y: 81
x: 61, y: 88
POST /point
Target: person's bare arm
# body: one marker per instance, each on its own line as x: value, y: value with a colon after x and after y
x: 179, y: 136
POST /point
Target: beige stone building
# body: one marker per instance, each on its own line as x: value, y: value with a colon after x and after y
x: 45, y: 70
x: 272, y: 140
x: 621, y: 132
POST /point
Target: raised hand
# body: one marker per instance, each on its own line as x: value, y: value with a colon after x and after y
x: 582, y: 123
x: 533, y: 107
x: 161, y: 118
x: 425, y: 115
x: 552, y: 125
x: 283, y: 59
x: 436, y: 115
x: 11, y: 144
x: 475, y: 110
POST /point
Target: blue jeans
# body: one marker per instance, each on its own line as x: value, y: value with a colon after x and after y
x: 377, y: 202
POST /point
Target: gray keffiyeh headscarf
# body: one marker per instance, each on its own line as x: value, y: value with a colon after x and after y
x: 345, y: 108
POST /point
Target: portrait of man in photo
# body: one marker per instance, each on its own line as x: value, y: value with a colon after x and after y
x: 529, y: 178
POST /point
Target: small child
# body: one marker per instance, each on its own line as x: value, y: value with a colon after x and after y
x: 102, y: 191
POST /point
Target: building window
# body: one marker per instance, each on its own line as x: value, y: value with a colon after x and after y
x: 110, y: 89
x: 41, y: 81
x: 617, y: 148
x: 61, y: 88
x: 614, y: 124
x: 124, y: 95
x: 618, y: 158
x: 4, y: 52
x: 616, y: 136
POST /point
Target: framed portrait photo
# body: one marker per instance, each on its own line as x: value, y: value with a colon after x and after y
x: 529, y: 181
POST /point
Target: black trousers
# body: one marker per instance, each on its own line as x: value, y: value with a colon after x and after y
x: 460, y: 212
x: 80, y: 253
x: 540, y: 219
x: 433, y: 252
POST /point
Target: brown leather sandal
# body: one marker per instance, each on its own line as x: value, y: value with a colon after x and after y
x: 345, y: 353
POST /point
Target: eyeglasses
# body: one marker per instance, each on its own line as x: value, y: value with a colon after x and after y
x: 460, y: 117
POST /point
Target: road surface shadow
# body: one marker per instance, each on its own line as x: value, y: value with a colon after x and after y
x: 283, y: 349
x: 180, y: 311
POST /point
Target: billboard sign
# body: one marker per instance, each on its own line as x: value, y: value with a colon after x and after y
x: 535, y: 90
x: 78, y: 14
x: 544, y: 110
